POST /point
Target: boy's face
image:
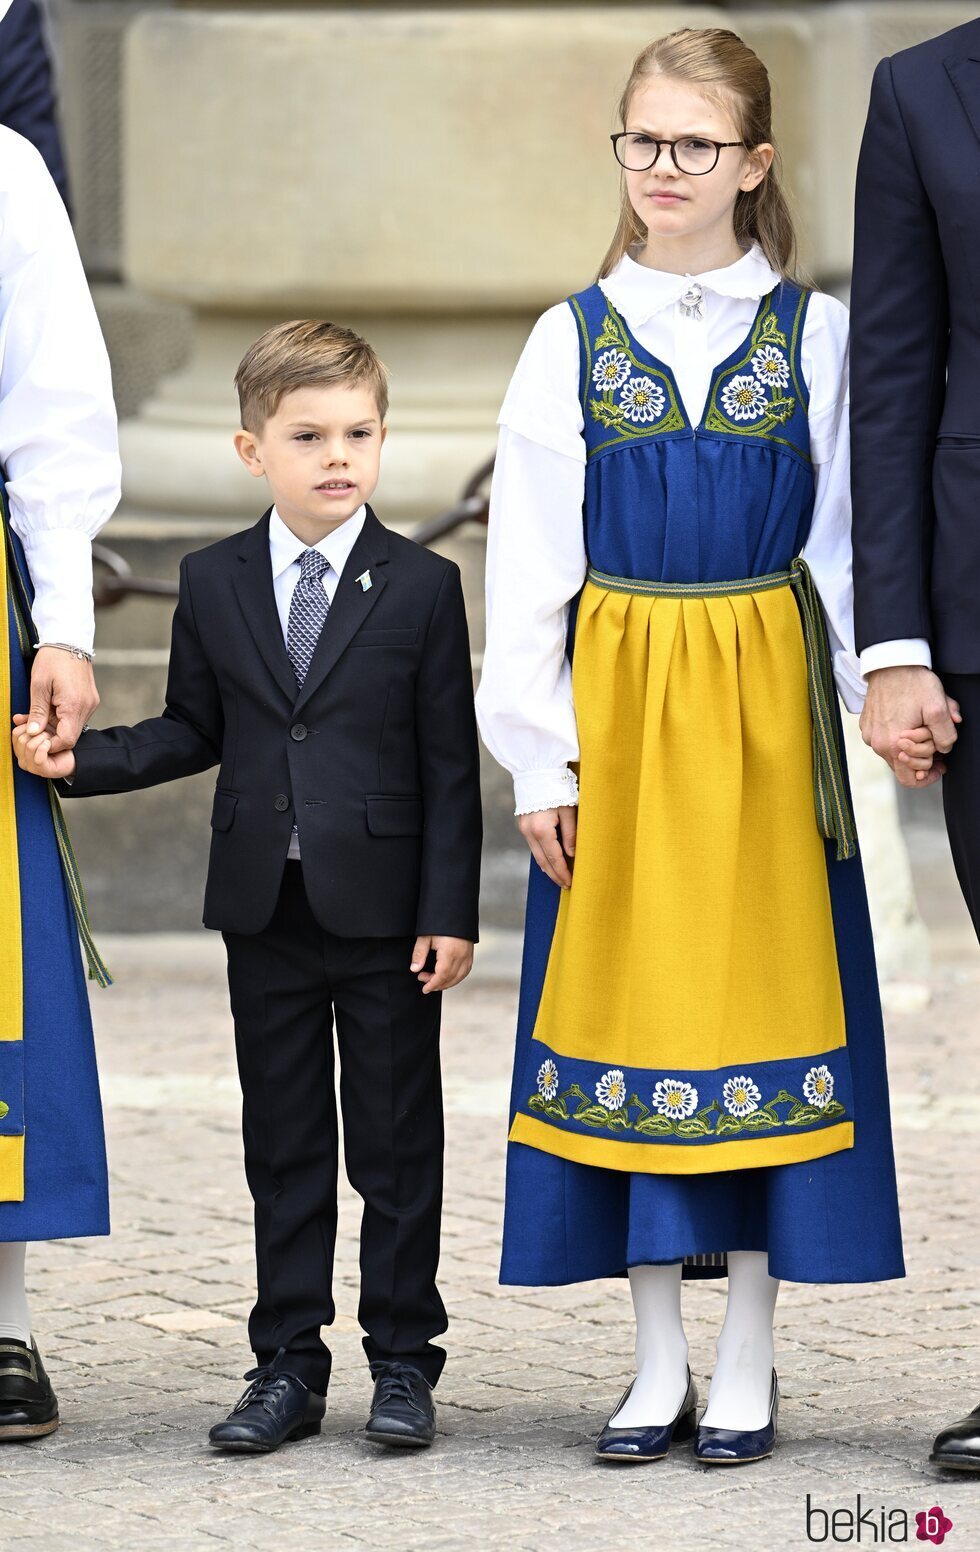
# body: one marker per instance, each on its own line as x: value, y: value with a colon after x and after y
x: 321, y: 453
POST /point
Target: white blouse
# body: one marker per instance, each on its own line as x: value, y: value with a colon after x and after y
x: 536, y: 561
x: 58, y: 441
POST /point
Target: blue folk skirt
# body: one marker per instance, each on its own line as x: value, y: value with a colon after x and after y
x: 66, y: 1191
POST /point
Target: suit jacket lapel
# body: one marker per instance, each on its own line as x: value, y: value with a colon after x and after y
x: 964, y: 72
x: 351, y: 604
x: 257, y: 596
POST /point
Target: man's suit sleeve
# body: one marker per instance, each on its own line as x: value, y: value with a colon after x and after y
x: 449, y: 759
x: 899, y: 342
x: 184, y: 740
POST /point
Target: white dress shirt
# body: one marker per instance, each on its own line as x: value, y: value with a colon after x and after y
x: 536, y: 561
x: 285, y: 551
x: 58, y: 441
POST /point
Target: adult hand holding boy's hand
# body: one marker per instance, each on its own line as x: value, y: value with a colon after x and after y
x: 34, y: 751
x: 63, y: 696
x: 454, y: 961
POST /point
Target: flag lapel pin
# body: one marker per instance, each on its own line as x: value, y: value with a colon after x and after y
x: 365, y: 581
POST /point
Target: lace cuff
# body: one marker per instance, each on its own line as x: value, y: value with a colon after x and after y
x: 535, y: 791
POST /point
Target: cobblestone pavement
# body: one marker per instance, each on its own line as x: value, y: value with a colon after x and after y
x: 144, y: 1332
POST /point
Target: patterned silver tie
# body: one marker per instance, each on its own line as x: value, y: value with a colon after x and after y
x: 308, y: 610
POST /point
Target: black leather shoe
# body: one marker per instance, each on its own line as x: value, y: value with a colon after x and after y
x: 730, y: 1447
x: 276, y: 1407
x: 637, y: 1445
x: 28, y: 1405
x: 402, y: 1412
x: 957, y: 1448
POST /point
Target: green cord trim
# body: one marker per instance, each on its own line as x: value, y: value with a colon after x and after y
x: 19, y: 596
x: 835, y: 815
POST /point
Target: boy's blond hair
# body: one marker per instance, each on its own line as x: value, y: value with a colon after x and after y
x: 306, y: 353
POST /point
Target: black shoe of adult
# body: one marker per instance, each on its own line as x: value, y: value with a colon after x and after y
x: 635, y: 1446
x: 28, y: 1405
x: 402, y: 1412
x: 731, y: 1447
x: 957, y: 1448
x: 275, y: 1408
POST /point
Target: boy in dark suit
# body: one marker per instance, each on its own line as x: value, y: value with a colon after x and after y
x: 324, y: 662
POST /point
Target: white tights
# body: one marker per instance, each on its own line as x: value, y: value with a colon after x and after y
x: 740, y: 1385
x: 15, y: 1315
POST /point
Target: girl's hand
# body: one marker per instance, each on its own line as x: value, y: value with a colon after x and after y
x: 34, y: 753
x: 551, y: 837
x: 918, y: 751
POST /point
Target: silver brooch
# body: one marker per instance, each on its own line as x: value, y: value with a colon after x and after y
x: 691, y: 301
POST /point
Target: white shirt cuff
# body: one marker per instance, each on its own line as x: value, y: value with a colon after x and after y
x: 853, y: 689
x: 60, y: 564
x: 910, y: 652
x: 538, y: 790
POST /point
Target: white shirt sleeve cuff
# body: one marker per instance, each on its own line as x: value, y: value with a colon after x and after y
x: 853, y: 688
x: 538, y: 790
x: 910, y: 652
x: 60, y: 563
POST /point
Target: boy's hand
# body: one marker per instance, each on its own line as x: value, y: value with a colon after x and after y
x: 918, y: 752
x: 454, y: 961
x: 33, y: 752
x: 551, y: 837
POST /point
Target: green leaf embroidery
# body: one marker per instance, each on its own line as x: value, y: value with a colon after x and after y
x: 4, y: 1109
x: 613, y: 334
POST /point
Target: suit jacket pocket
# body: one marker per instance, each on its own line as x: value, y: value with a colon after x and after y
x: 391, y: 816
x: 406, y: 637
x: 223, y: 810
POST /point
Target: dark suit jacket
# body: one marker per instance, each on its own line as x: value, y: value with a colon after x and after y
x: 915, y: 353
x: 26, y: 95
x: 376, y: 757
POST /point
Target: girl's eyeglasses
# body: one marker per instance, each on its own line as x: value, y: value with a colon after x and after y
x: 694, y: 154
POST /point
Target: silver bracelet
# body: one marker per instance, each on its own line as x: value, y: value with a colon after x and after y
x: 63, y: 646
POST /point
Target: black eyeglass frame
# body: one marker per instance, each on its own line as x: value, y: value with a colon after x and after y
x: 719, y: 145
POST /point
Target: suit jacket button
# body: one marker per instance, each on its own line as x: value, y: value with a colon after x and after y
x: 298, y: 732
x: 281, y: 804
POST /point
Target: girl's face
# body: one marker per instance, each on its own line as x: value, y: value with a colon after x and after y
x: 671, y: 203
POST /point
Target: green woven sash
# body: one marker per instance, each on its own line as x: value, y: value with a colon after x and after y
x: 19, y: 597
x: 835, y: 816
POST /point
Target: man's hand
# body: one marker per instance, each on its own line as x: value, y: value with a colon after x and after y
x: 63, y: 697
x: 34, y: 754
x: 551, y: 837
x: 454, y: 961
x: 904, y: 699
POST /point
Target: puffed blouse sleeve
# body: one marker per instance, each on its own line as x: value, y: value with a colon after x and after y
x: 535, y: 567
x: 828, y: 548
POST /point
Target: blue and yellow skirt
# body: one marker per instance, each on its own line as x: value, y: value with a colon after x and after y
x: 700, y: 1063
x: 53, y: 1178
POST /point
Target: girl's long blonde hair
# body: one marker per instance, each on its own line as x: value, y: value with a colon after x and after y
x: 726, y: 70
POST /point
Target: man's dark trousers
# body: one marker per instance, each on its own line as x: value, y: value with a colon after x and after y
x: 287, y: 985
x: 961, y: 790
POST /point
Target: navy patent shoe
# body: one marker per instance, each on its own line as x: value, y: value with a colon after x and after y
x: 636, y: 1446
x: 730, y: 1447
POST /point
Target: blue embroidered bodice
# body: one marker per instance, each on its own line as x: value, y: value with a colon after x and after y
x: 665, y: 500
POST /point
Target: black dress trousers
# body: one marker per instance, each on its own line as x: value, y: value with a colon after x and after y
x: 961, y: 789
x: 287, y: 985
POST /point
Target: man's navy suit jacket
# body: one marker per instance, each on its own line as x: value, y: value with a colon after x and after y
x: 26, y: 96
x: 376, y: 758
x: 915, y: 354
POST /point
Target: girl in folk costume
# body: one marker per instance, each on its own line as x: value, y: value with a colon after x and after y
x: 700, y: 1082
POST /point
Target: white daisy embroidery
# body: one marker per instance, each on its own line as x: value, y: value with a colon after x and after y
x: 818, y: 1087
x: 611, y: 1089
x: 642, y: 400
x: 771, y: 367
x: 611, y: 369
x: 548, y: 1079
x: 675, y: 1099
x: 743, y: 399
x: 741, y: 1096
